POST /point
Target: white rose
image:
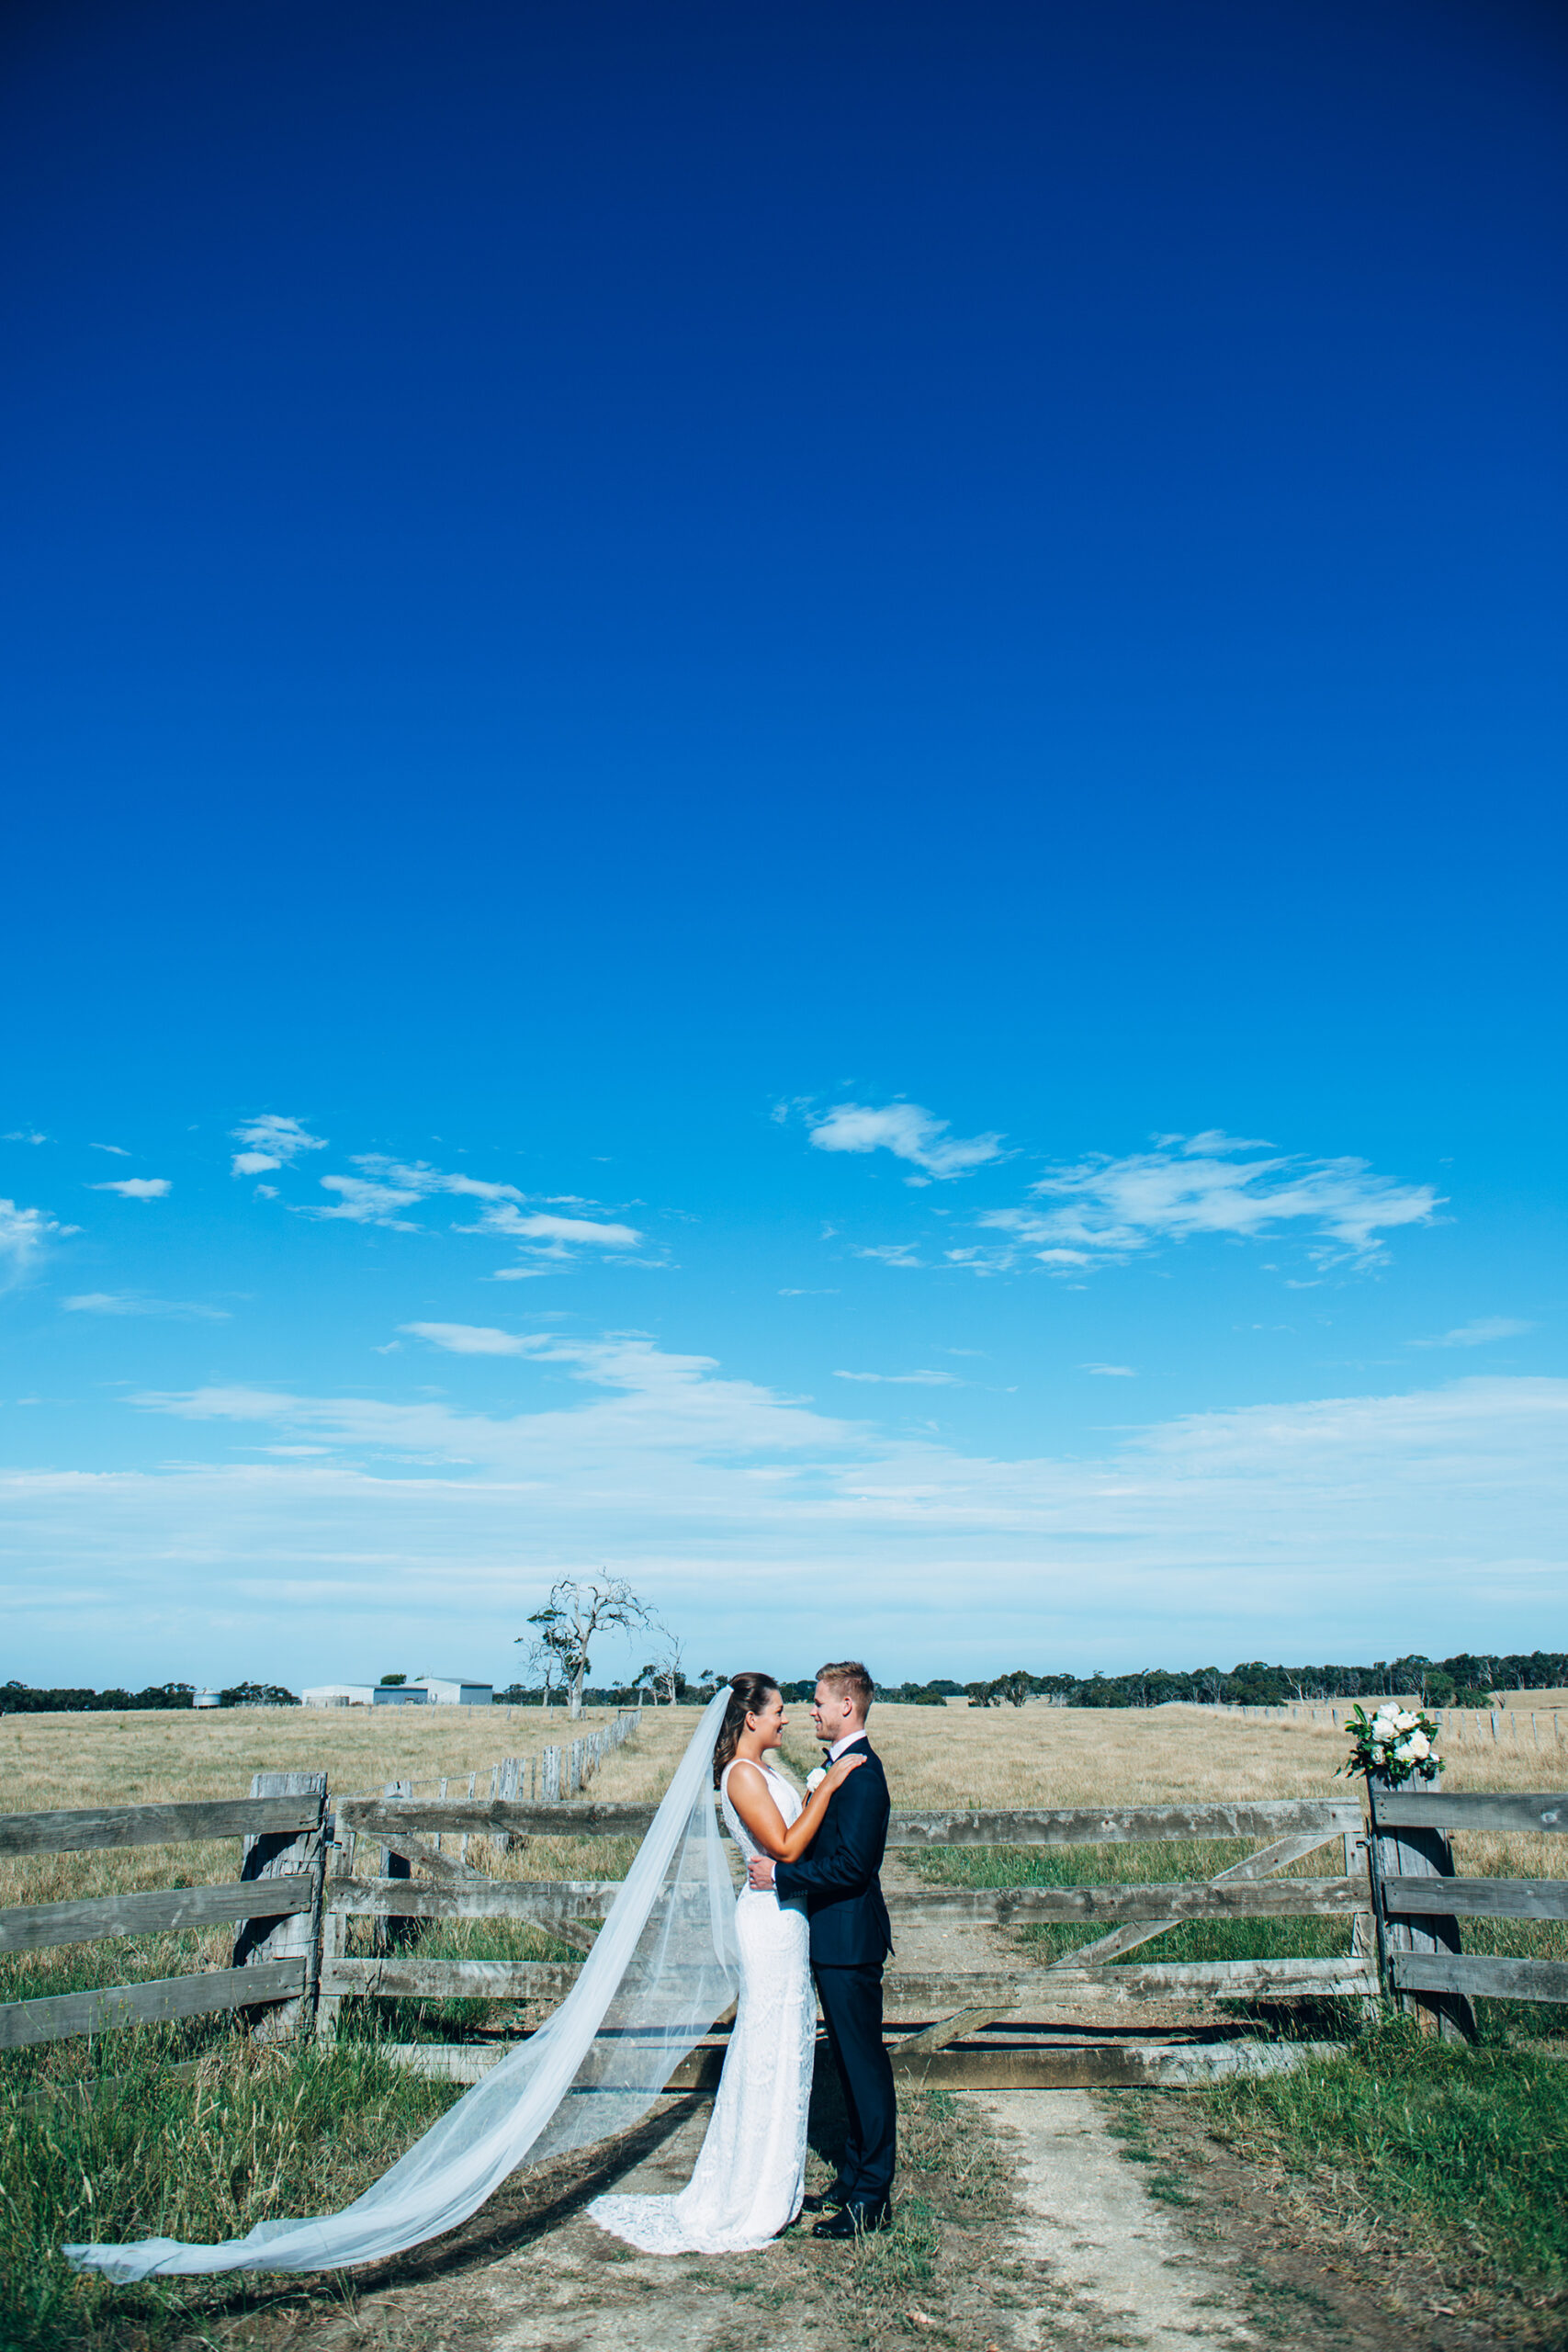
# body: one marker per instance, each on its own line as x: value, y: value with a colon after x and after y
x: 1405, y: 1752
x: 1405, y: 1720
x: 815, y: 1779
x: 1418, y: 1745
x: 1380, y: 1739
x: 1384, y: 1718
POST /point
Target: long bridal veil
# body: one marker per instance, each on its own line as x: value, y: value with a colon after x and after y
x: 662, y: 1968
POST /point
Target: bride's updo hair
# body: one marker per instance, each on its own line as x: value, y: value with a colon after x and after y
x: 749, y: 1694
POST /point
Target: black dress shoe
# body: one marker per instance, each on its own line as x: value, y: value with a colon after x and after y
x: 828, y: 2202
x: 855, y: 2220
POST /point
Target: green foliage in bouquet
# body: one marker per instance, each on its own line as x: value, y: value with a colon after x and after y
x: 1398, y: 1744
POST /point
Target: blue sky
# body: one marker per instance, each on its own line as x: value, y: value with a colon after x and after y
x: 842, y: 728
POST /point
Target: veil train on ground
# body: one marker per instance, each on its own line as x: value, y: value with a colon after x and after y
x: 662, y: 1968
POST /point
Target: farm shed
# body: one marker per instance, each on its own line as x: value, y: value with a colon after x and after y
x: 454, y: 1691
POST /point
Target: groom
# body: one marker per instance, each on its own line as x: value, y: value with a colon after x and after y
x: 850, y: 1940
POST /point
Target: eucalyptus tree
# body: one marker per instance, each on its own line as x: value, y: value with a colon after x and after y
x: 578, y: 1609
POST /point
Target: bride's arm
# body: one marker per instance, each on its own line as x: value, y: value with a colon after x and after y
x: 749, y: 1796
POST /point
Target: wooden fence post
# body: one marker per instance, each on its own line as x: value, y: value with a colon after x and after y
x: 391, y: 1935
x: 334, y: 1929
x: 281, y: 1854
x: 1398, y: 1852
x: 551, y: 1776
x: 1364, y: 1943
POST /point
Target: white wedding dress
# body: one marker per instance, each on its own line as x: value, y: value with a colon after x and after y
x: 750, y: 2176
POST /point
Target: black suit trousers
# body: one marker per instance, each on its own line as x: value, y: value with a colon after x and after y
x: 851, y: 2007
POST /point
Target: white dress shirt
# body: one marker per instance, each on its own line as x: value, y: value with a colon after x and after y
x: 848, y: 1740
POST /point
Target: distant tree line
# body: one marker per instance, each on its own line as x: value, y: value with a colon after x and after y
x: 16, y: 1699
x: 1468, y: 1679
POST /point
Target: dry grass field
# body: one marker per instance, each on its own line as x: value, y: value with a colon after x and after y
x: 996, y: 1757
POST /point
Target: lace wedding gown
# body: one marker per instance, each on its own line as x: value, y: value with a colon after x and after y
x: 749, y: 2179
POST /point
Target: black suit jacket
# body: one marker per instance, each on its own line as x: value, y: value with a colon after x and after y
x: 837, y: 1873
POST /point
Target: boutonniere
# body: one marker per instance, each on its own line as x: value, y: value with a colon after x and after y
x: 815, y: 1779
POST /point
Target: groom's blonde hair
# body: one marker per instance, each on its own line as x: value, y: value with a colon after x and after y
x: 852, y: 1681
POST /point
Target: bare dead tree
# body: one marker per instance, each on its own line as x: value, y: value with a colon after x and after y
x: 663, y: 1670
x: 577, y: 1610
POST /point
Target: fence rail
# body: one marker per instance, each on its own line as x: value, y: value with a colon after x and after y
x: 1478, y: 1898
x: 1069, y: 1825
x: 62, y: 2014
x: 1484, y: 1972
x: 907, y: 1991
x: 1483, y: 1809
x: 152, y: 1825
x: 34, y: 1926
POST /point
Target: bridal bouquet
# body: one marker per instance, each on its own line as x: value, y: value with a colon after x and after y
x: 1397, y: 1744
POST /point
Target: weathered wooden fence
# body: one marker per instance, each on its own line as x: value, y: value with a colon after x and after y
x: 298, y: 1890
x: 1418, y: 1901
x: 945, y: 2008
x: 276, y: 1904
x: 270, y: 1825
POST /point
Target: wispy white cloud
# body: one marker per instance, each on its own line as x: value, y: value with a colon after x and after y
x: 136, y: 1188
x: 25, y: 1134
x: 1100, y: 1209
x: 475, y: 1339
x: 909, y: 1132
x: 234, y: 1404
x: 1112, y: 1371
x: 24, y: 1235
x: 653, y: 1398
x: 272, y: 1141
x: 420, y: 1180
x: 555, y: 1237
x: 386, y: 1187
x: 892, y: 1253
x: 902, y: 1379
x: 362, y: 1202
x: 119, y: 1150
x: 125, y: 1302
x: 1275, y: 1530
x: 1478, y: 1334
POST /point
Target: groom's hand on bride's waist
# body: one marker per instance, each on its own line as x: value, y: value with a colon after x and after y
x: 760, y: 1873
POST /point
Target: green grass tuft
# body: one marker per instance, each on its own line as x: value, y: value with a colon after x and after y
x: 248, y: 2134
x: 1472, y: 2143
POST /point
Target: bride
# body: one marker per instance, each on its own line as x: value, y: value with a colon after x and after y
x: 750, y: 2175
